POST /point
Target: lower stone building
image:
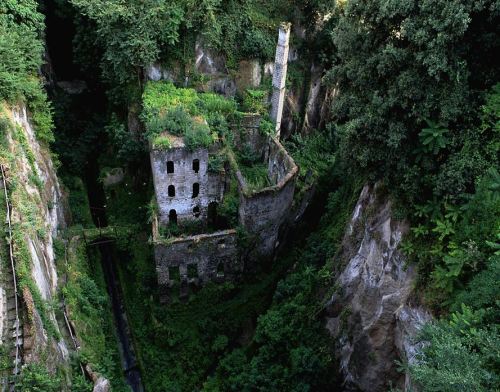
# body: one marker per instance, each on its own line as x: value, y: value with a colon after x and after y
x: 193, y: 260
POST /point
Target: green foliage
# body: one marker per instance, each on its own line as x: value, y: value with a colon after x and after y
x: 291, y: 350
x: 35, y: 378
x: 21, y: 49
x: 90, y: 311
x: 78, y: 201
x: 256, y: 176
x: 199, y: 136
x: 216, y: 163
x: 433, y: 138
x: 161, y: 142
x: 458, y: 236
x: 244, y: 29
x: 314, y: 156
x: 228, y: 209
x: 129, y: 147
x: 255, y: 101
x: 458, y: 358
x: 210, y: 103
x: 132, y: 34
x: 399, y: 64
x: 267, y: 127
x: 183, y: 112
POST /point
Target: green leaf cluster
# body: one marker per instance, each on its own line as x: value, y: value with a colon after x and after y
x: 21, y: 49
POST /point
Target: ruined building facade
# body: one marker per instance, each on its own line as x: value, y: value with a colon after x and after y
x: 184, y: 187
x: 186, y: 192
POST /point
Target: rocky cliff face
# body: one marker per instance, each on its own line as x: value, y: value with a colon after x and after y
x: 37, y: 210
x: 371, y: 315
x: 306, y: 104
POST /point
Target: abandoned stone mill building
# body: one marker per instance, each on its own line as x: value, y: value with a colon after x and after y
x: 204, y: 247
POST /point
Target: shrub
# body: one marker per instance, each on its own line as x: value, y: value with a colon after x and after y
x: 35, y: 378
x: 255, y: 101
x: 162, y: 142
x: 198, y: 136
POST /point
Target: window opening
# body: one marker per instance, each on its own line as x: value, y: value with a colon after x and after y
x: 196, y: 165
x: 170, y: 167
x: 196, y: 190
x: 171, y: 191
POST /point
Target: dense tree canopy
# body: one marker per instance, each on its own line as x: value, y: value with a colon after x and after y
x: 410, y: 86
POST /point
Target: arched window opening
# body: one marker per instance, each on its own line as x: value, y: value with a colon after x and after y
x: 192, y: 271
x: 171, y: 191
x: 172, y: 217
x: 212, y: 214
x: 170, y: 167
x: 220, y: 270
x: 196, y: 211
x: 196, y: 190
x: 196, y: 165
x: 174, y: 274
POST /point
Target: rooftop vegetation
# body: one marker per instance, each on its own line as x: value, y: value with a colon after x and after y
x: 201, y: 119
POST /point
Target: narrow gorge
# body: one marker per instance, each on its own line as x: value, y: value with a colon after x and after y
x: 239, y: 195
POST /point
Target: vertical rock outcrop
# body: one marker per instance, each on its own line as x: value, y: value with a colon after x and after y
x: 37, y: 211
x: 371, y: 314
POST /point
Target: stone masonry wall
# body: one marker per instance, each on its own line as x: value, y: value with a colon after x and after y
x: 214, y: 257
x: 263, y: 212
x: 279, y: 163
x: 183, y: 178
x: 279, y: 75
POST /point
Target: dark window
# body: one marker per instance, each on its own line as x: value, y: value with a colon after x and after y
x: 172, y: 216
x: 196, y: 189
x: 196, y: 165
x: 170, y: 167
x: 192, y: 270
x: 212, y: 214
x: 174, y: 274
x: 220, y: 269
x: 171, y: 190
x: 196, y: 211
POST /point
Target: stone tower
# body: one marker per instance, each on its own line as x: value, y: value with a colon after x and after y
x: 279, y: 75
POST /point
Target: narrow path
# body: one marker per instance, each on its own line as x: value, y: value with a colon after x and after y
x: 11, y: 288
x: 106, y: 248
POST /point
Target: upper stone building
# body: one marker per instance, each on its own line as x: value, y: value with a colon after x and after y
x: 183, y: 186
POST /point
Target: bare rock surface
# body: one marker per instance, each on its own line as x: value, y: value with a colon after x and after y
x: 371, y: 315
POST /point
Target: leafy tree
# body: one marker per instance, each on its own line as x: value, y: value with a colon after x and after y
x: 36, y: 378
x: 21, y: 48
x: 459, y: 356
x: 132, y: 33
x: 400, y: 63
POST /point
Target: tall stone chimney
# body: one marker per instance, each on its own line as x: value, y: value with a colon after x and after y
x: 279, y: 76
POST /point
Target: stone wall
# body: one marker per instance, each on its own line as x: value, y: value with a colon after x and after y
x: 279, y: 163
x: 183, y: 178
x: 249, y: 135
x: 264, y: 212
x: 196, y: 260
x: 279, y: 75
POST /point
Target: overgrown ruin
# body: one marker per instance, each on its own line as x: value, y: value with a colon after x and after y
x: 188, y: 195
x: 192, y: 245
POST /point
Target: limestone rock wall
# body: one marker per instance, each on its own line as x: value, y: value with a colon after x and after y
x: 372, y: 315
x: 38, y: 210
x: 305, y: 105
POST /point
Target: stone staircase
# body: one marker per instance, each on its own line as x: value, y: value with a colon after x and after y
x: 12, y: 337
